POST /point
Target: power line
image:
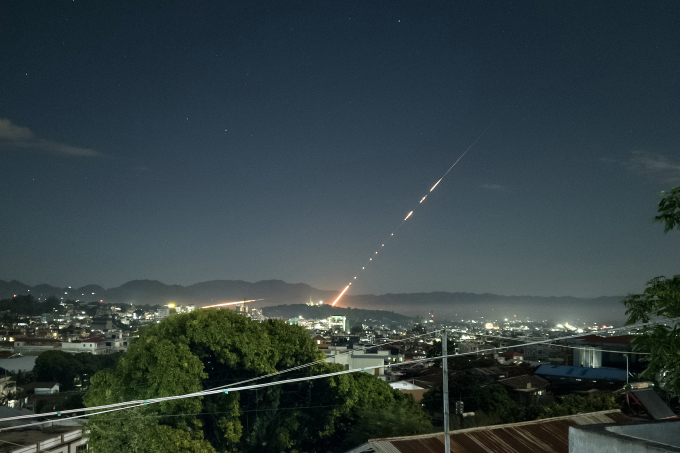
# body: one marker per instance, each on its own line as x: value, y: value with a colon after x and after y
x: 136, y: 403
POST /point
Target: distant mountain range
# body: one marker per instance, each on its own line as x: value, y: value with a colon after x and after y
x: 443, y: 305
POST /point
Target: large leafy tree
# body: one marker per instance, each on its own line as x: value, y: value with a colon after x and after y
x: 209, y: 348
x: 492, y: 399
x: 661, y: 299
x: 66, y: 368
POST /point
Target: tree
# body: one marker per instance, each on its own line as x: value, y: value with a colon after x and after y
x: 575, y: 404
x: 436, y: 351
x: 492, y: 399
x: 661, y: 299
x: 669, y: 210
x: 209, y: 348
x: 57, y: 366
x: 66, y: 368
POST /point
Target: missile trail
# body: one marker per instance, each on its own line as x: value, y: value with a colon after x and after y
x: 419, y: 203
x: 341, y: 294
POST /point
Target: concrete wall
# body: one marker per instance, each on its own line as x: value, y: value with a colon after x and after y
x: 666, y: 433
x: 622, y: 439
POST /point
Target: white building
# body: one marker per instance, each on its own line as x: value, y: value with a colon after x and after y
x: 337, y: 321
x: 92, y: 345
x: 353, y: 359
x: 116, y: 341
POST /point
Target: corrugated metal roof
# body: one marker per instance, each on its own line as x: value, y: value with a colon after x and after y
x: 541, y: 436
x: 603, y: 373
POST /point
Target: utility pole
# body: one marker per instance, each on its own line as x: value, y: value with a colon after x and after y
x: 445, y: 370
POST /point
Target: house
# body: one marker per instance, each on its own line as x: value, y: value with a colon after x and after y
x: 409, y: 388
x: 53, y: 439
x: 509, y: 357
x: 91, y: 345
x: 353, y: 359
x: 528, y: 390
x: 320, y: 342
x: 550, y: 435
x: 396, y: 353
x: 41, y: 388
x: 570, y: 378
x: 116, y: 341
x: 35, y: 345
x: 593, y: 351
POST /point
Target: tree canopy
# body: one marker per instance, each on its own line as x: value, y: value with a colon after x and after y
x: 669, y: 210
x: 210, y: 348
x: 29, y: 306
x: 66, y: 368
x: 661, y: 299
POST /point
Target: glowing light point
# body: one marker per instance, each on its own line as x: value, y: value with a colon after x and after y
x: 383, y: 245
x: 376, y: 253
x: 435, y: 185
x: 355, y: 278
x: 392, y: 234
x: 363, y: 267
x: 370, y: 259
x: 423, y: 198
x: 409, y: 215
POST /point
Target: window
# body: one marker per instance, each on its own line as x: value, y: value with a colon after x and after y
x: 108, y: 343
x: 81, y: 448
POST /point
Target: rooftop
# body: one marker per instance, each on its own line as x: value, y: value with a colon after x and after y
x: 550, y: 435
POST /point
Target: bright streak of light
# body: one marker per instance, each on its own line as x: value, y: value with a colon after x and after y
x: 341, y: 294
x: 409, y: 215
x: 435, y: 185
x: 426, y: 196
x: 231, y: 303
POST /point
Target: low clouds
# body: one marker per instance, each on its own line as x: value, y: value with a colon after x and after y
x: 12, y: 132
x: 656, y: 166
x: 19, y: 137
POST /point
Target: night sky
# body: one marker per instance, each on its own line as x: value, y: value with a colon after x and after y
x: 187, y: 141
